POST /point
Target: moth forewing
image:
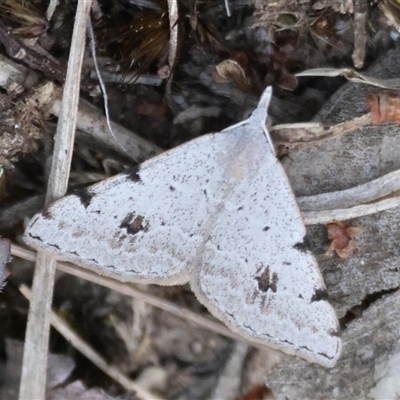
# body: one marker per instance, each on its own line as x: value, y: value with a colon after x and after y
x: 217, y: 211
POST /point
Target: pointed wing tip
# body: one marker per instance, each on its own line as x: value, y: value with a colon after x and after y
x: 260, y: 114
x: 265, y: 98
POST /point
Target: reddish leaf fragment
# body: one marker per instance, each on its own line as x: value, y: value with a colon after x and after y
x: 384, y: 107
x: 259, y: 392
x: 343, y: 239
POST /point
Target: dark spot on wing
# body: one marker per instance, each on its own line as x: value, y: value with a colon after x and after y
x: 267, y: 228
x: 133, y: 174
x: 240, y: 208
x: 320, y: 295
x: 172, y: 189
x: 134, y: 224
x: 287, y: 263
x: 84, y: 196
x: 266, y: 281
x: 303, y: 246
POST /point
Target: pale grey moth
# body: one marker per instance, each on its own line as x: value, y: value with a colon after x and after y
x: 217, y: 212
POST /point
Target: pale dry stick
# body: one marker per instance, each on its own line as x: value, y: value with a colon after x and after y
x: 92, y: 354
x: 128, y: 290
x: 51, y: 8
x: 173, y: 42
x: 324, y: 217
x: 360, y: 32
x: 299, y: 136
x: 228, y: 8
x: 33, y: 378
x: 92, y: 121
x: 355, y: 196
x: 229, y: 380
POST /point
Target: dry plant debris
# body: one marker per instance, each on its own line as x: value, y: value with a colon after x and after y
x: 342, y: 239
x: 221, y: 65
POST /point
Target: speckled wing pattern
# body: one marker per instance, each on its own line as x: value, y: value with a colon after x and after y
x: 145, y: 225
x: 218, y: 212
x: 255, y: 272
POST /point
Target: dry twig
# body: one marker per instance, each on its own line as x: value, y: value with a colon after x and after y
x: 366, y: 193
x: 92, y: 354
x: 173, y: 41
x: 33, y: 379
x: 360, y: 32
x: 299, y: 136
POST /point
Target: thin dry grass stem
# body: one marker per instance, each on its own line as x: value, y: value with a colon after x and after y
x: 102, y: 86
x: 229, y: 381
x: 92, y: 354
x: 33, y: 378
x: 324, y: 217
x: 228, y: 8
x: 173, y: 42
x: 366, y: 193
x: 360, y: 32
x: 299, y: 136
x: 51, y: 8
x: 366, y: 199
